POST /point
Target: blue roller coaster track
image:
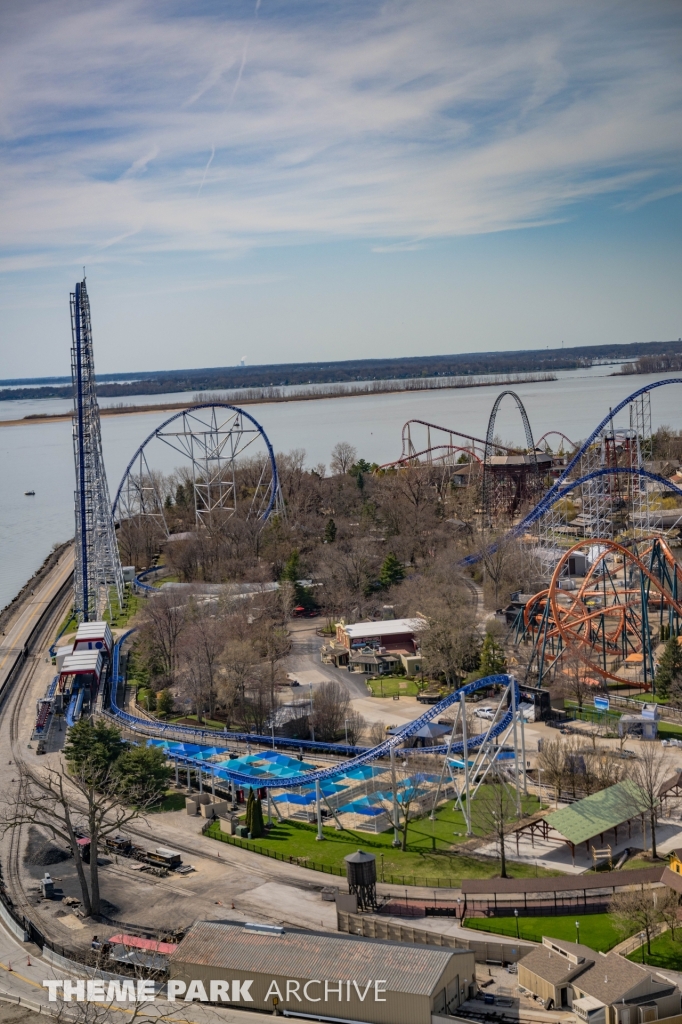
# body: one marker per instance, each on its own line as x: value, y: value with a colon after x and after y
x: 361, y: 756
x: 560, y: 488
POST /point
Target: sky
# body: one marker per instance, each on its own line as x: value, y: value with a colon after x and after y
x: 284, y: 180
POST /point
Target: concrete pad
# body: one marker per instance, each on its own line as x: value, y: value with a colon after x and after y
x: 558, y: 855
x: 287, y: 904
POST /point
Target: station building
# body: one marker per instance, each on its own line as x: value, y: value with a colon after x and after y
x: 323, y: 975
x: 600, y: 988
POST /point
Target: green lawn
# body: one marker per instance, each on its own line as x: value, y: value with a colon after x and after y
x: 666, y: 730
x: 596, y: 930
x: 390, y: 686
x: 172, y: 801
x: 206, y: 723
x: 419, y: 865
x: 664, y: 952
x: 131, y: 605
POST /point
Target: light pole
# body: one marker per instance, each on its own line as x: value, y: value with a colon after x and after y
x: 345, y: 722
x: 577, y: 932
x: 516, y: 916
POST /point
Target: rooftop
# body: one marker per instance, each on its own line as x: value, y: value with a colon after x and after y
x: 598, y: 813
x: 386, y: 627
x: 411, y: 969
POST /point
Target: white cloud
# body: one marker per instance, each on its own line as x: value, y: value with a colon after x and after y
x: 405, y: 121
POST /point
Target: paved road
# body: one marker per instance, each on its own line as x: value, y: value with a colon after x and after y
x: 29, y: 612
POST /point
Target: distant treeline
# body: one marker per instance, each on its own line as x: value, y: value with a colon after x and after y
x: 284, y: 374
x: 660, y: 362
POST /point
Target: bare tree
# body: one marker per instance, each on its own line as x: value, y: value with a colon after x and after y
x: 377, y: 733
x: 552, y: 763
x: 574, y: 680
x: 202, y: 646
x: 668, y: 906
x: 648, y: 773
x: 635, y: 909
x: 343, y: 457
x: 354, y: 725
x: 66, y: 804
x: 407, y: 792
x: 331, y: 706
x: 273, y: 643
x: 163, y: 623
x: 492, y: 810
x: 451, y: 644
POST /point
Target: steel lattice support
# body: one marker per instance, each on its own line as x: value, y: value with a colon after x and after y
x: 97, y: 571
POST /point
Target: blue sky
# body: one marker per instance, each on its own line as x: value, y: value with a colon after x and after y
x: 304, y: 180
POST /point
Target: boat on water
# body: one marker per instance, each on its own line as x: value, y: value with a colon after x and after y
x: 29, y: 493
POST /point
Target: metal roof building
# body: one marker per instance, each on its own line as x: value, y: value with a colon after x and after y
x: 328, y: 976
x: 598, y: 813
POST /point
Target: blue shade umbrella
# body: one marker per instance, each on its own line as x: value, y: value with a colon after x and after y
x: 298, y: 798
x: 330, y: 788
x: 361, y: 807
x: 364, y: 771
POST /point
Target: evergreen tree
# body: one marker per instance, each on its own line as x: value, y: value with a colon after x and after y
x: 292, y: 569
x: 257, y: 824
x: 392, y: 571
x: 249, y: 810
x: 493, y: 661
x: 180, y: 497
x: 669, y: 672
x: 164, y: 703
x: 93, y: 748
x: 330, y: 532
x: 143, y: 774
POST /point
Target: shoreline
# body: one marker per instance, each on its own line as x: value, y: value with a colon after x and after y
x: 136, y: 410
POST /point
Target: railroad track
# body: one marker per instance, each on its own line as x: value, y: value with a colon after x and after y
x: 10, y: 713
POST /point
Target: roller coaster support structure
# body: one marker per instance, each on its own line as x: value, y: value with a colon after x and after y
x: 490, y: 755
x: 97, y: 571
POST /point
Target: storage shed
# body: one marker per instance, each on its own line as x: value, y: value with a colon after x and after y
x: 324, y: 975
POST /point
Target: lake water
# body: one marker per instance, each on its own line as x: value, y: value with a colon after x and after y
x: 39, y: 456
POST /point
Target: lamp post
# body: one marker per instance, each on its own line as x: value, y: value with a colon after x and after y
x: 642, y: 937
x: 516, y: 915
x: 577, y: 931
x: 345, y: 723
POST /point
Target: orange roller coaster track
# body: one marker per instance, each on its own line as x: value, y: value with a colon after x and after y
x: 625, y: 603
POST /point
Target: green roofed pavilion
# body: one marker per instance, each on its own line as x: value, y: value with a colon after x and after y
x: 598, y: 813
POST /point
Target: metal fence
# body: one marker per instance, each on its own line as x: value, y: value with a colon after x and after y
x: 214, y: 832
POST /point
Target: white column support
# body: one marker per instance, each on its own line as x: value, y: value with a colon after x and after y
x: 318, y: 804
x: 396, y: 832
x: 465, y: 754
x: 445, y: 765
x: 523, y: 754
x: 512, y: 685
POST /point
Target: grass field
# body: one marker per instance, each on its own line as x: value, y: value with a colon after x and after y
x: 596, y: 930
x: 420, y: 864
x: 391, y: 686
x: 665, y: 952
x: 172, y: 801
